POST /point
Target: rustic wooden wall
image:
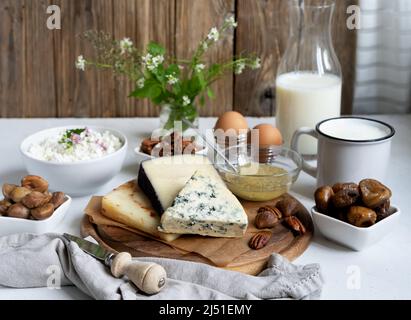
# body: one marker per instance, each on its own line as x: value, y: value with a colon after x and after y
x: 38, y: 78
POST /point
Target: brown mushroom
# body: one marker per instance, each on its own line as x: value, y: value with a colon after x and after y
x: 7, y: 189
x: 344, y: 186
x: 345, y: 198
x: 288, y: 206
x: 374, y: 193
x: 57, y: 199
x: 19, y: 193
x: 35, y: 199
x: 44, y: 212
x: 361, y: 216
x: 383, y: 211
x: 35, y: 183
x: 323, y: 196
x: 17, y: 210
x: 4, y: 206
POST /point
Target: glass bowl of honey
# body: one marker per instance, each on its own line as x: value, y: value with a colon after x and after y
x: 262, y: 173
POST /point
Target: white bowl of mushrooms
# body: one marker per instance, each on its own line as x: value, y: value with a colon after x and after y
x: 356, y: 216
x: 31, y: 208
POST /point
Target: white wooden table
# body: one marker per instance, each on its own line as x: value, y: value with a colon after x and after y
x: 380, y: 272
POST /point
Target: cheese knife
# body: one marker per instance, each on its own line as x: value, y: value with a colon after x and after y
x: 147, y: 276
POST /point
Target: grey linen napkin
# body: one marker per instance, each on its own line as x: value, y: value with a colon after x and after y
x: 29, y: 261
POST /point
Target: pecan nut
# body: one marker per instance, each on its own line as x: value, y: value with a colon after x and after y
x: 267, y: 217
x: 288, y: 206
x: 260, y: 240
x: 295, y: 225
x: 265, y: 220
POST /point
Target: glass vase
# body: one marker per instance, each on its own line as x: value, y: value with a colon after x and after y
x: 171, y: 117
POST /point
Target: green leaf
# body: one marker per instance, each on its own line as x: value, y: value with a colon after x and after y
x: 202, y: 100
x: 194, y: 86
x: 173, y: 69
x: 155, y: 49
x: 210, y: 93
x: 214, y: 71
x: 152, y: 89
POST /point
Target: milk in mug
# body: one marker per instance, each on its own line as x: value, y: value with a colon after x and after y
x: 303, y: 100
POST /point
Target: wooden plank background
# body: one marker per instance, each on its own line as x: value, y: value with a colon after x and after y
x: 38, y: 77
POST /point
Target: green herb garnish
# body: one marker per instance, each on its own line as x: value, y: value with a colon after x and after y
x: 67, y: 137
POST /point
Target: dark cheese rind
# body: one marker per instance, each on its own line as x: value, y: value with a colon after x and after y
x: 145, y: 185
x: 161, y: 179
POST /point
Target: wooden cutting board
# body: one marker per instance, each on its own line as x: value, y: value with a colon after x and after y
x: 252, y: 262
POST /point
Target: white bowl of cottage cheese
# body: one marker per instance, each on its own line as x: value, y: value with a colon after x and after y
x: 78, y: 160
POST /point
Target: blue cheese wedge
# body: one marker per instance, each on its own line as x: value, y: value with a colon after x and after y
x: 161, y: 179
x: 205, y: 207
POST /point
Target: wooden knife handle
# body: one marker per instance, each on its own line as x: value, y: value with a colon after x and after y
x: 147, y: 276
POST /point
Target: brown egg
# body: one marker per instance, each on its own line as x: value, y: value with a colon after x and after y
x: 269, y: 135
x: 232, y: 120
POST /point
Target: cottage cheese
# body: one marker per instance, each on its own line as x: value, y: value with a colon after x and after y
x: 69, y: 147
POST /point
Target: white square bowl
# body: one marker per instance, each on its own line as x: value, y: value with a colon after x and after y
x: 351, y: 236
x: 10, y: 225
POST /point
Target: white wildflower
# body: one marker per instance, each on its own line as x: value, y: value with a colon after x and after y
x: 151, y: 62
x: 147, y: 59
x: 186, y: 101
x: 126, y: 45
x: 81, y: 63
x: 205, y: 46
x: 231, y: 22
x: 214, y: 35
x: 140, y: 83
x: 171, y: 79
x: 199, y: 67
x: 157, y: 60
x: 239, y: 68
x: 256, y: 64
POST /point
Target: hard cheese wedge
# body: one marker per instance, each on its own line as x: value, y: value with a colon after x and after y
x: 205, y: 207
x: 162, y: 179
x: 127, y: 204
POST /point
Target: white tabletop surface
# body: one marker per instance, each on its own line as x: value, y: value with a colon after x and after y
x: 380, y: 272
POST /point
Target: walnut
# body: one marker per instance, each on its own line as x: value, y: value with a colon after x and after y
x: 260, y: 240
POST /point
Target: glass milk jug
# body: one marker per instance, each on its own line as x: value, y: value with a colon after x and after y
x: 309, y: 79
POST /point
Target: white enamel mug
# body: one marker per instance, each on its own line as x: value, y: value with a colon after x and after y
x: 349, y: 149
